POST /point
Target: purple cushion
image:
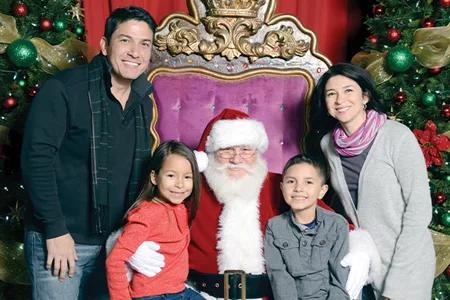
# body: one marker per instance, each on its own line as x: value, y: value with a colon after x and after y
x: 187, y: 102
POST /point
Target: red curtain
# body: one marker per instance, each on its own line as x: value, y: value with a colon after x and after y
x: 335, y: 23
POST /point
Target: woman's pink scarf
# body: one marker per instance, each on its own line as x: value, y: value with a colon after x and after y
x: 356, y: 143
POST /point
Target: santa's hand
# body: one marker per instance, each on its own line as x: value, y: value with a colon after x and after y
x: 359, y: 264
x: 363, y: 260
x: 147, y: 260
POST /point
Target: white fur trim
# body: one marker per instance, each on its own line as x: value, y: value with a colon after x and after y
x: 202, y: 160
x: 360, y: 240
x: 236, y: 132
x: 239, y: 243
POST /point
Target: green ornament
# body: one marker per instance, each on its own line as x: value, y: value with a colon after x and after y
x: 429, y: 99
x: 445, y: 219
x: 21, y: 83
x: 60, y: 25
x: 79, y: 30
x: 399, y: 59
x: 22, y: 53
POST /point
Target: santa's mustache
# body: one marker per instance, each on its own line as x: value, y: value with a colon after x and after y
x: 244, y: 167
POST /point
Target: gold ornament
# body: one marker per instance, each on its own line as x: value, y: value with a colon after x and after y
x: 373, y: 62
x: 441, y: 246
x: 432, y: 46
x: 77, y: 12
x: 53, y: 58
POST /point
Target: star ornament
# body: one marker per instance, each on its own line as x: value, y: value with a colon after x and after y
x: 77, y: 12
x: 432, y: 144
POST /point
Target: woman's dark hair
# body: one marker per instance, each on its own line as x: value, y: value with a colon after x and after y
x: 320, y: 122
x: 150, y: 191
x: 317, y: 161
x: 123, y: 14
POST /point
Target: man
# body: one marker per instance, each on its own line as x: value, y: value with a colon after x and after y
x: 85, y: 144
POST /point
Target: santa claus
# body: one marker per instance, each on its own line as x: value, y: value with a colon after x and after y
x: 238, y: 197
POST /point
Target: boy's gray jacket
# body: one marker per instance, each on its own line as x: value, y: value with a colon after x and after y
x: 305, y: 264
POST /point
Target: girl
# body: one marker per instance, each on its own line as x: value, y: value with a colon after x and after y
x: 379, y: 174
x: 161, y: 214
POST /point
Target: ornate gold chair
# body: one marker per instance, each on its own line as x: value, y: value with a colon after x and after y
x: 234, y: 54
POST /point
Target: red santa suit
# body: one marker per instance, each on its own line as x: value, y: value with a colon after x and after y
x: 204, y: 229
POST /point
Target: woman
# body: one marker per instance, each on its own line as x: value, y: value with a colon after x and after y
x: 379, y: 174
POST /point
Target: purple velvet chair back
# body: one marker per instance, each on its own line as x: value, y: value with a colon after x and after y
x: 265, y: 67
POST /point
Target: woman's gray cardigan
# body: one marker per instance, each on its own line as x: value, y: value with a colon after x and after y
x: 394, y: 205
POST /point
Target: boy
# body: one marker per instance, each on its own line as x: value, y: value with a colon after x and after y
x: 303, y: 247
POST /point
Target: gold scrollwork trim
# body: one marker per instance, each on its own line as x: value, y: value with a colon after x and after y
x: 232, y: 39
x: 153, y: 131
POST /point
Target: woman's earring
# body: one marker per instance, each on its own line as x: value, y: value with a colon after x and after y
x: 365, y: 106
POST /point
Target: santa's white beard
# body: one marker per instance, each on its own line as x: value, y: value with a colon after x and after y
x: 239, y: 237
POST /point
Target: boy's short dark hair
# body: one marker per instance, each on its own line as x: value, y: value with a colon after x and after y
x: 317, y: 161
x: 123, y: 14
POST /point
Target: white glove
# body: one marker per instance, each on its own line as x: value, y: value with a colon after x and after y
x: 363, y: 260
x: 147, y: 260
x: 359, y: 264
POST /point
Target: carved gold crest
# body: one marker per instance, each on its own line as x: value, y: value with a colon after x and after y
x: 231, y: 26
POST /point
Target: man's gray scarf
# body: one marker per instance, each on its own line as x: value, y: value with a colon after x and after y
x: 100, y: 146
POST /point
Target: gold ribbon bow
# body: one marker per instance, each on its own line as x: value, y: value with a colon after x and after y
x: 373, y: 62
x: 441, y: 246
x: 432, y: 46
x: 53, y: 58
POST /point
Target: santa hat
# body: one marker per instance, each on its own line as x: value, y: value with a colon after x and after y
x: 231, y: 128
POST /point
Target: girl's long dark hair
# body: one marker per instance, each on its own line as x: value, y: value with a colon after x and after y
x: 320, y: 122
x: 150, y: 191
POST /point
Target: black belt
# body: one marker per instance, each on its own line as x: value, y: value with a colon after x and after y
x: 240, y: 285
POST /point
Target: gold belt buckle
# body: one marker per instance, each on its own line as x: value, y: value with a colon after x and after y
x: 226, y: 284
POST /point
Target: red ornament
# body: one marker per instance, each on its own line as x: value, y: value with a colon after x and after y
x: 445, y: 3
x: 33, y: 91
x: 435, y: 70
x: 446, y: 111
x: 394, y: 34
x: 20, y: 9
x: 447, y: 271
x: 400, y: 97
x: 378, y: 10
x: 439, y: 198
x: 45, y: 24
x: 373, y: 39
x: 9, y: 102
x: 428, y: 22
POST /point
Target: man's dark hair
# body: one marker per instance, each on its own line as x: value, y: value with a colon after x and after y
x: 123, y: 14
x: 317, y: 161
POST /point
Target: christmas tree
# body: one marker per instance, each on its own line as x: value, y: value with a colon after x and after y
x: 37, y: 39
x: 408, y: 53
